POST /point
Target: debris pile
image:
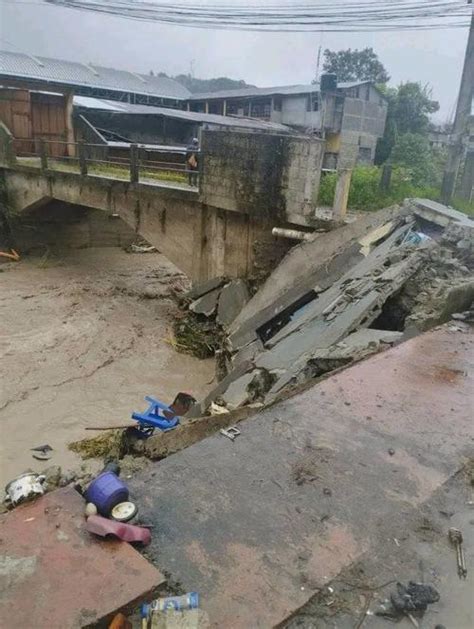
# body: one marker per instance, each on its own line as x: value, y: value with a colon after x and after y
x: 210, y: 308
x: 399, y: 278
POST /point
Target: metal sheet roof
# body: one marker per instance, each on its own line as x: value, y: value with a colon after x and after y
x: 190, y: 116
x: 281, y: 90
x: 57, y: 71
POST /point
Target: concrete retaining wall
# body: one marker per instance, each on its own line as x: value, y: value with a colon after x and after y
x: 274, y: 177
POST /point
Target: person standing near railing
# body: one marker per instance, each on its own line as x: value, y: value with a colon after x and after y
x: 192, y: 162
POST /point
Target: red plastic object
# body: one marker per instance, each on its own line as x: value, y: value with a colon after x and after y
x: 127, y: 532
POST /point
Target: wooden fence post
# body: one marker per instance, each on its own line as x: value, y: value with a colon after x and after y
x: 134, y: 164
x: 82, y: 159
x: 43, y: 154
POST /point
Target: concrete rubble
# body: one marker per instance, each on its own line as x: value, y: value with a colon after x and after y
x: 357, y: 290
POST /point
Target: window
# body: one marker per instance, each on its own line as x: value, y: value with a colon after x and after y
x: 365, y: 154
x: 312, y: 102
x: 277, y: 104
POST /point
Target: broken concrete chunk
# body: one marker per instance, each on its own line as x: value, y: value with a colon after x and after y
x: 204, y: 287
x: 206, y: 304
x: 232, y: 299
x: 251, y: 386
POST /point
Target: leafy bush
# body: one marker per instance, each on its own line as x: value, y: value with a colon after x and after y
x: 365, y: 194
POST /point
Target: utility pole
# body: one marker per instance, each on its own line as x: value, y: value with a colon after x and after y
x: 460, y: 126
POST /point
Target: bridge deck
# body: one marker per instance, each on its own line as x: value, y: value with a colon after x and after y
x: 165, y: 179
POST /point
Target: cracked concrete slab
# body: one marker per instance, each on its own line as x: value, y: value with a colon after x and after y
x: 283, y: 509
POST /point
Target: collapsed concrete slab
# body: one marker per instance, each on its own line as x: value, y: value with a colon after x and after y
x: 382, y: 279
x: 206, y: 304
x: 232, y: 299
x: 202, y: 288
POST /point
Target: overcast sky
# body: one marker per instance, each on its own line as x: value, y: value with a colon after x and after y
x: 264, y: 59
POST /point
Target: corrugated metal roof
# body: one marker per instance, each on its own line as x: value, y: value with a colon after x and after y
x: 191, y: 116
x: 56, y: 71
x: 281, y: 90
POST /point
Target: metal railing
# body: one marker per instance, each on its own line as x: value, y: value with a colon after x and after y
x: 134, y: 163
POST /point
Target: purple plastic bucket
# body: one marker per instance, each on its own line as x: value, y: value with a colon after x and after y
x: 106, y: 491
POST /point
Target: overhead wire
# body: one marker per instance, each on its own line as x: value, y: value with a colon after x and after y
x: 335, y: 16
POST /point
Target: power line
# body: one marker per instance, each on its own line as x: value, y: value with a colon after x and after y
x: 335, y: 16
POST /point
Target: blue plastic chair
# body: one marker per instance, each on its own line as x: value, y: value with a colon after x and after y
x: 153, y: 417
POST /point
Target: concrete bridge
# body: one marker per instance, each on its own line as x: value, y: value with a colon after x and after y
x: 249, y: 184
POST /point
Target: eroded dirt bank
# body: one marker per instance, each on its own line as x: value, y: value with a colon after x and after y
x: 84, y: 336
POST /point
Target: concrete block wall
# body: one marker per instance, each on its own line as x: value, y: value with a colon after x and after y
x: 267, y: 176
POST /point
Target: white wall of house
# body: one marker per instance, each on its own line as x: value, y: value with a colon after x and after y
x: 294, y: 112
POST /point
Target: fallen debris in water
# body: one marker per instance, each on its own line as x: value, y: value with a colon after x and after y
x: 109, y: 445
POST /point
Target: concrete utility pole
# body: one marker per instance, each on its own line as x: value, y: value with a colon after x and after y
x: 460, y: 127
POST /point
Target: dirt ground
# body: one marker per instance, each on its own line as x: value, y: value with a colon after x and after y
x: 84, y: 336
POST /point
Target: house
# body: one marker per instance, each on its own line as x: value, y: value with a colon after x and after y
x: 162, y: 133
x: 349, y: 116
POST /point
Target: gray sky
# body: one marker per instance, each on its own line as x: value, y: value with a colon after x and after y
x: 264, y: 59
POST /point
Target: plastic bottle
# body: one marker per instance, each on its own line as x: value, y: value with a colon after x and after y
x: 178, y: 603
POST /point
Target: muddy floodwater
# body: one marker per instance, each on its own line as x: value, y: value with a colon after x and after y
x: 84, y: 336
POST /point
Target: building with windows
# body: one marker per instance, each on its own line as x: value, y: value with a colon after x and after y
x: 349, y: 116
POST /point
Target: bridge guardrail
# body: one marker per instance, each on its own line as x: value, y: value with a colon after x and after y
x: 133, y: 163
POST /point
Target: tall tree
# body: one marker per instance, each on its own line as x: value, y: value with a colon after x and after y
x: 409, y: 108
x: 355, y: 65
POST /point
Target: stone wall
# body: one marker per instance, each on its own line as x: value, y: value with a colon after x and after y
x: 272, y: 177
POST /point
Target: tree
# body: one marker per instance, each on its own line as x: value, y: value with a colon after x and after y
x: 355, y: 65
x: 409, y: 107
x: 413, y: 152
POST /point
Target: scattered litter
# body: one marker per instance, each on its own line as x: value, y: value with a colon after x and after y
x: 327, y: 491
x: 124, y: 511
x: 217, y: 409
x: 456, y: 539
x: 126, y: 532
x: 158, y: 415
x: 29, y: 519
x: 143, y: 249
x: 391, y: 451
x: 25, y: 487
x: 396, y: 541
x: 90, y: 509
x: 42, y: 456
x: 231, y: 433
x: 106, y: 491
x: 176, y: 603
x: 11, y: 255
x: 45, y: 448
x: 413, y: 597
x: 120, y: 622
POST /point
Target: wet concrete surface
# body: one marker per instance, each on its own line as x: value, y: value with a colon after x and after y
x: 84, y: 336
x: 259, y: 525
x: 56, y: 575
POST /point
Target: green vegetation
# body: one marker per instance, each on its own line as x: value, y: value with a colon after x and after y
x: 355, y: 65
x: 208, y: 85
x: 409, y: 107
x: 365, y: 193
